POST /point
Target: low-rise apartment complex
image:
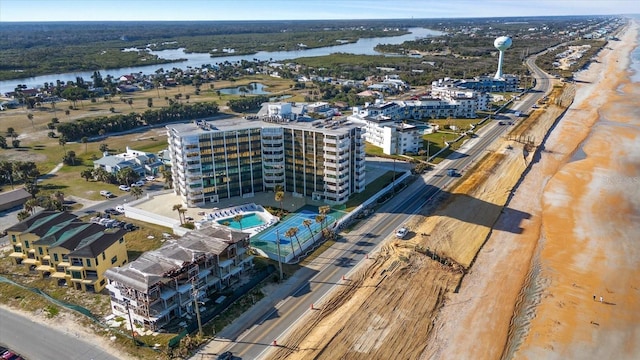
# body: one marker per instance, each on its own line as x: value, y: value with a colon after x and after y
x: 162, y: 284
x: 59, y: 246
x: 213, y: 160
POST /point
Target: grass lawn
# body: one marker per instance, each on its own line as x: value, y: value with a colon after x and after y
x: 375, y: 186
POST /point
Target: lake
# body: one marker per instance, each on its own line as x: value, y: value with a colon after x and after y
x: 256, y: 89
x: 196, y: 60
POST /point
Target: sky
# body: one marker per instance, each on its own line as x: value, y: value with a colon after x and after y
x: 186, y: 10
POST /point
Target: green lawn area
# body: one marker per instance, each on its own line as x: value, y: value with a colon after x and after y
x: 371, y: 189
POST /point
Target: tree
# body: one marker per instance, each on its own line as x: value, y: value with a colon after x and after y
x: 22, y: 214
x: 3, y: 142
x: 178, y: 207
x: 85, y: 140
x: 30, y: 205
x: 86, y: 174
x: 294, y: 233
x: 307, y: 223
x: 149, y: 102
x: 279, y: 197
x: 324, y: 210
x: 238, y: 219
x: 32, y: 188
x: 136, y: 191
x: 320, y: 220
x: 62, y: 140
x: 30, y: 117
x: 126, y: 176
x: 130, y: 102
x: 11, y: 132
x: 67, y: 112
x: 168, y: 178
x: 103, y: 147
x: 15, y: 143
x: 289, y: 234
x: 58, y: 196
x: 69, y: 158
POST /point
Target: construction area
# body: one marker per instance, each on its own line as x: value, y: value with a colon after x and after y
x: 389, y: 308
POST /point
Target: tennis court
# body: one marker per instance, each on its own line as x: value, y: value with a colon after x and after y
x: 266, y: 240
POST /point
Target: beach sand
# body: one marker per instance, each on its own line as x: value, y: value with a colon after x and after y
x: 590, y: 222
x: 582, y: 195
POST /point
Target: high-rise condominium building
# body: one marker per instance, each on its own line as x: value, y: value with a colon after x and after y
x: 213, y: 160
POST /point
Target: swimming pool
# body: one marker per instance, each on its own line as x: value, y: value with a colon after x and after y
x: 248, y: 221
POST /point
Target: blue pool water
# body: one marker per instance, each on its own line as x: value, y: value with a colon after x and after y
x: 248, y: 221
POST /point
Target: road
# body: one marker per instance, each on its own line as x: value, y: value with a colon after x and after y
x: 36, y: 342
x: 254, y: 337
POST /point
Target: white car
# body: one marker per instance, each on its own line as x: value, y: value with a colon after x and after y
x: 106, y: 193
x: 137, y: 184
x: 150, y: 178
x: 402, y: 232
x: 124, y: 188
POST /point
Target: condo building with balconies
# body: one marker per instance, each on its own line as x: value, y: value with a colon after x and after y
x: 213, y: 160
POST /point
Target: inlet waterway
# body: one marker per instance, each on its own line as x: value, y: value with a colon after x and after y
x: 196, y: 60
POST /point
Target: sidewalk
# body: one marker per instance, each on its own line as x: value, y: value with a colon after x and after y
x: 256, y: 314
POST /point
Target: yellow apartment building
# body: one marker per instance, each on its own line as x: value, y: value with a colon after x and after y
x: 58, y: 245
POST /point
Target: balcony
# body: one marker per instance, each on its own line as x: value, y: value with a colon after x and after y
x: 330, y: 141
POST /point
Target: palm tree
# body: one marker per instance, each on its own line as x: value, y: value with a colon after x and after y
x: 23, y: 214
x: 289, y: 233
x: 85, y: 140
x: 308, y: 223
x: 279, y: 198
x: 86, y: 174
x: 58, y: 195
x: 320, y: 220
x: 30, y: 205
x: 178, y: 207
x: 238, y: 219
x: 62, y: 140
x: 324, y: 210
x: 136, y: 191
x: 294, y: 233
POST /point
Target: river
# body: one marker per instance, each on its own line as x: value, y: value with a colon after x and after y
x: 196, y: 60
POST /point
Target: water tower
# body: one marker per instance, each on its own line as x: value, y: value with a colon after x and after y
x: 502, y: 43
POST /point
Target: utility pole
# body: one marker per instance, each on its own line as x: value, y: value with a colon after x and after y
x: 279, y: 257
x: 195, y: 299
x: 133, y: 333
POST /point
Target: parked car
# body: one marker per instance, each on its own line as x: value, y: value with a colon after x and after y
x: 8, y: 355
x: 150, y: 178
x: 124, y: 188
x: 402, y: 232
x: 227, y: 355
x: 111, y: 211
x: 130, y: 227
x: 106, y: 193
x: 120, y: 208
x: 138, y: 184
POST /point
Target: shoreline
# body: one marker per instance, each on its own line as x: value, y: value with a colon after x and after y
x: 589, y: 204
x: 478, y: 321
